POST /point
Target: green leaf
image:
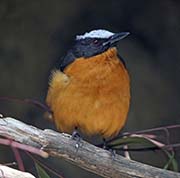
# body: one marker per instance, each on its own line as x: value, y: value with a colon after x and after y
x: 41, y: 172
x: 130, y: 141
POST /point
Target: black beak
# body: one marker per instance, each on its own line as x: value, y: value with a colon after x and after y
x: 115, y: 38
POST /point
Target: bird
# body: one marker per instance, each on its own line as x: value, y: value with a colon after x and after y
x: 89, y: 91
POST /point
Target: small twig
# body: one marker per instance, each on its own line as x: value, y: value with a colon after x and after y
x: 153, y: 130
x: 28, y: 101
x: 159, y: 128
x: 143, y: 132
x: 126, y: 152
x: 24, y: 147
x: 153, y: 148
x: 18, y: 158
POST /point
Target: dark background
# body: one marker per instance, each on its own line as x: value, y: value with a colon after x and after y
x: 35, y: 34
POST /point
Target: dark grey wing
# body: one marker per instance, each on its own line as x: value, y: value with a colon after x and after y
x: 69, y: 58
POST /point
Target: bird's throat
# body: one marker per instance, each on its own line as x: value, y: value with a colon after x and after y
x: 95, y: 68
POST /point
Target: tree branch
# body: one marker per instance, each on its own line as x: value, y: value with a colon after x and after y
x: 88, y: 156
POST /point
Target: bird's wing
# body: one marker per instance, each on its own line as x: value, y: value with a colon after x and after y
x: 57, y: 82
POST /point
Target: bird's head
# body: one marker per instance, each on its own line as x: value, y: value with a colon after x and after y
x: 96, y: 42
x: 92, y: 43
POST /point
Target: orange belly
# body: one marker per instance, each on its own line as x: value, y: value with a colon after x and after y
x: 92, y: 94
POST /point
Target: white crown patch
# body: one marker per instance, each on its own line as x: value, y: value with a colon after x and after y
x: 95, y: 34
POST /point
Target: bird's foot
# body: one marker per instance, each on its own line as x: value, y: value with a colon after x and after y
x: 77, y: 137
x: 106, y: 147
x: 113, y: 153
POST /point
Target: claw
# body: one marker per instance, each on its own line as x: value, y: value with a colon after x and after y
x: 105, y: 146
x: 113, y: 153
x: 76, y: 136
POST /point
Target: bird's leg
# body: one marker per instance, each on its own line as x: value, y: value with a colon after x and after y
x: 76, y: 136
x: 105, y: 146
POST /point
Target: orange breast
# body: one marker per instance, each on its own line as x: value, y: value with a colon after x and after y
x: 92, y: 94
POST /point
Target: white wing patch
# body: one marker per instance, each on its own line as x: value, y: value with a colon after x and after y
x: 95, y: 34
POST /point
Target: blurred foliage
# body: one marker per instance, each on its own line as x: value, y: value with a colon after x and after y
x: 172, y: 162
x: 145, y: 142
x: 35, y: 34
x: 41, y: 172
